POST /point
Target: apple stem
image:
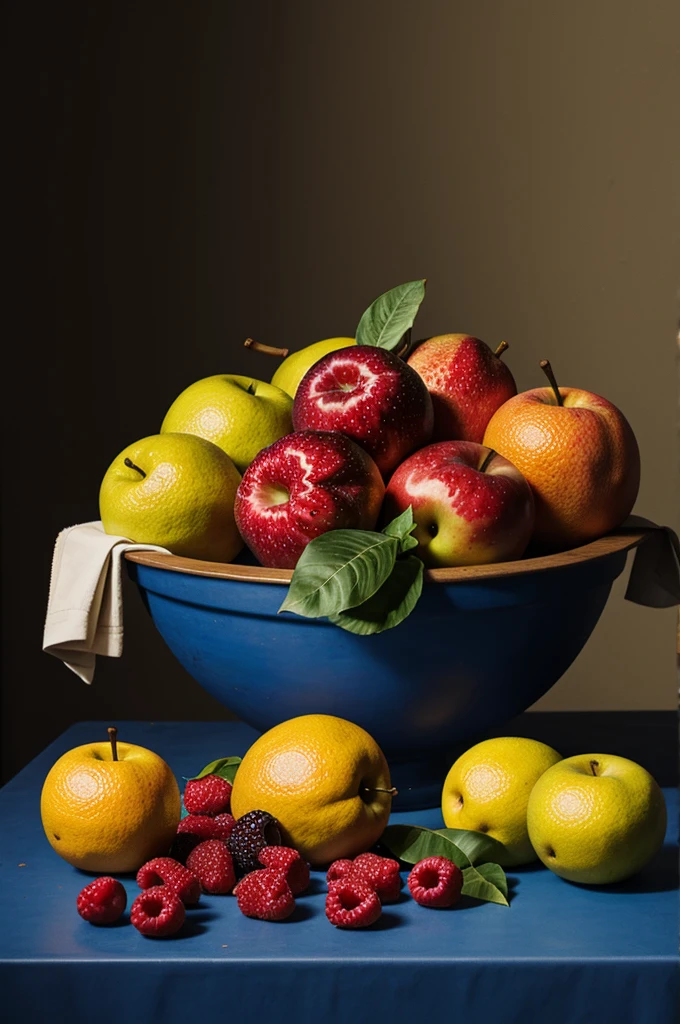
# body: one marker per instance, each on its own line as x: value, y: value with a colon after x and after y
x: 268, y: 350
x: 113, y: 732
x: 501, y: 349
x: 548, y: 371
x: 380, y: 789
x: 130, y: 465
x: 251, y: 388
x: 593, y: 766
x: 487, y: 460
x: 404, y: 345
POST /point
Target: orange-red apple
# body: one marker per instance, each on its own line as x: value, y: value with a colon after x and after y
x: 580, y: 456
x: 467, y: 382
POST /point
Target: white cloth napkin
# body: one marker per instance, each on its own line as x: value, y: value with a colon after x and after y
x: 85, y: 605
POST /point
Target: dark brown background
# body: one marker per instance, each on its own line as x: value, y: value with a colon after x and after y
x: 185, y: 175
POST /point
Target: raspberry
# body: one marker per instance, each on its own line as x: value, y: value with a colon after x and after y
x: 338, y: 869
x: 102, y: 901
x: 193, y: 829
x: 209, y: 795
x: 166, y: 871
x: 250, y: 834
x: 352, y: 903
x: 212, y: 864
x: 381, y: 873
x: 295, y: 869
x: 435, y: 882
x: 224, y: 825
x: 265, y: 894
x: 158, y: 912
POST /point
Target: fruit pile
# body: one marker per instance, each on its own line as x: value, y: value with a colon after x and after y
x: 353, y: 433
x: 315, y: 792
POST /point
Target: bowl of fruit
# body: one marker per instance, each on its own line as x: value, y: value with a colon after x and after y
x: 388, y: 533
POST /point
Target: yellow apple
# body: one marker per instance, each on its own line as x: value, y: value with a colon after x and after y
x: 238, y: 414
x: 175, y: 490
x: 110, y: 806
x: 596, y: 818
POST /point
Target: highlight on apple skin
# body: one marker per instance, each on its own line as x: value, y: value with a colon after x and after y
x: 471, y: 505
x: 303, y: 485
x: 371, y: 396
x: 467, y: 382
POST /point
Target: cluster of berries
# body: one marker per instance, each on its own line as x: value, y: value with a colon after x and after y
x: 211, y: 850
x: 357, y: 889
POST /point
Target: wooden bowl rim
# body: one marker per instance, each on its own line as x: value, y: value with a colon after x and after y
x: 612, y: 543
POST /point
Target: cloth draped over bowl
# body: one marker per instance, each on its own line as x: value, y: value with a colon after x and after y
x: 85, y: 604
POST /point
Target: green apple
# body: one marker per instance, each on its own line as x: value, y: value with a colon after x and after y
x: 596, y: 818
x: 175, y: 490
x: 240, y: 415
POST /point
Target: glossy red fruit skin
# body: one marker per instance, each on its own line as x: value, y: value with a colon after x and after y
x: 265, y: 894
x: 467, y: 383
x: 303, y: 485
x: 435, y: 882
x: 213, y: 865
x: 371, y: 396
x: 207, y: 796
x: 158, y: 912
x: 463, y: 516
x: 102, y: 901
x: 352, y: 903
x: 289, y: 861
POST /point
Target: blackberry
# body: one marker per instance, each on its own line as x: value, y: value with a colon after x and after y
x: 250, y: 834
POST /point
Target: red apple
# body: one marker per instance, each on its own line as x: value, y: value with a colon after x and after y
x: 301, y: 486
x: 467, y: 382
x: 371, y: 396
x: 471, y: 506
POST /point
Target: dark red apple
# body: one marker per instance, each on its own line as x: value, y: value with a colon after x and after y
x: 471, y: 505
x: 467, y: 382
x: 370, y: 395
x: 301, y: 486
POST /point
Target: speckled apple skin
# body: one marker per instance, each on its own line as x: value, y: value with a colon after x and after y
x: 467, y: 383
x: 463, y: 516
x: 332, y: 484
x: 371, y: 396
x: 580, y: 458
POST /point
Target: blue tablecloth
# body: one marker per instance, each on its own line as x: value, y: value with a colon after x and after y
x: 560, y: 954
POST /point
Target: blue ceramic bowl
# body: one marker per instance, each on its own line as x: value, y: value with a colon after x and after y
x: 483, y: 643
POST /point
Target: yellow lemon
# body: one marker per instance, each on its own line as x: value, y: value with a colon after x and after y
x: 240, y: 415
x: 175, y: 490
x: 108, y: 815
x: 295, y: 366
x: 487, y: 789
x: 324, y: 779
x: 596, y: 818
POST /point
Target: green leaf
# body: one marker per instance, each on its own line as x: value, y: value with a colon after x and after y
x: 412, y: 843
x: 402, y: 528
x: 387, y: 320
x: 225, y: 767
x: 476, y: 845
x: 486, y: 882
x: 390, y: 604
x: 338, y: 570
